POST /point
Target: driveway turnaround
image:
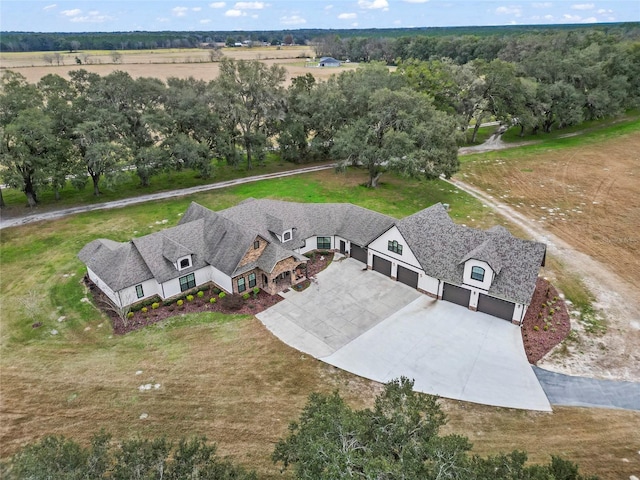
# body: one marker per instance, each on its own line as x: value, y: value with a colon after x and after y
x: 588, y: 392
x: 367, y: 324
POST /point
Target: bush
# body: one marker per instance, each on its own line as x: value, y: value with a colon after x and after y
x: 200, y: 294
x: 179, y: 303
x: 216, y: 290
x: 189, y: 298
x: 155, y: 305
x: 130, y: 315
x: 545, y: 328
x: 212, y: 300
x: 144, y: 310
x: 246, y: 296
x: 256, y: 290
x: 222, y: 295
x: 536, y: 328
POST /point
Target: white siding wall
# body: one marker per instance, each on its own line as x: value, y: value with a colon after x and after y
x: 488, y: 274
x: 428, y: 284
x: 104, y: 287
x: 311, y: 243
x: 519, y: 312
x: 381, y: 247
x: 149, y: 288
x: 172, y: 287
x: 221, y: 279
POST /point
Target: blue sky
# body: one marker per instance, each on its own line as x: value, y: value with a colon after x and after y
x: 118, y: 15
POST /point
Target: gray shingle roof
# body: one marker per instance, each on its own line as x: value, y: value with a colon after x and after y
x: 222, y: 239
x: 442, y: 246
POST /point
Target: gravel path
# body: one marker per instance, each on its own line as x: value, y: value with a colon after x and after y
x: 52, y: 215
x: 614, y: 355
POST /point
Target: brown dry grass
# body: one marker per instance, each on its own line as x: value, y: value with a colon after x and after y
x: 164, y: 64
x: 587, y: 195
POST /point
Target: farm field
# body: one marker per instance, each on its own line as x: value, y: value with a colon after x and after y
x: 224, y: 377
x: 163, y: 64
x: 588, y: 195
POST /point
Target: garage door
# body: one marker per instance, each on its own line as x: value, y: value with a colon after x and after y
x: 382, y: 265
x: 455, y: 294
x: 408, y: 277
x: 496, y: 307
x: 358, y: 253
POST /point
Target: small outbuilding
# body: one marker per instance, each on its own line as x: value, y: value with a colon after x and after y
x: 329, y: 62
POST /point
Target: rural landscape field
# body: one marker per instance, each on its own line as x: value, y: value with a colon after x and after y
x: 226, y: 377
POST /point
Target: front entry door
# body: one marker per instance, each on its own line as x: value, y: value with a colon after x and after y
x: 343, y: 247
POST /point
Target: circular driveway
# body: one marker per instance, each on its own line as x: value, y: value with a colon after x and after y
x: 367, y: 324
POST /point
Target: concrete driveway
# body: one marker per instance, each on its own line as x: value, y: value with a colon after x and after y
x: 365, y: 323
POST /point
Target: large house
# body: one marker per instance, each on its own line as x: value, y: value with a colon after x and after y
x: 261, y: 243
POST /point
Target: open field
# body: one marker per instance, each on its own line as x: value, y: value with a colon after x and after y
x: 163, y: 64
x: 227, y: 378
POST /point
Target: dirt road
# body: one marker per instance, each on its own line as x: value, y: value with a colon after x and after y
x: 52, y: 215
x: 614, y: 355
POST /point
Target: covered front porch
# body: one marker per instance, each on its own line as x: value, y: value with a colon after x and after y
x: 287, y: 273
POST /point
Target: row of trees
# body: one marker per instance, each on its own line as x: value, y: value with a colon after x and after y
x: 99, y: 128
x: 398, y: 439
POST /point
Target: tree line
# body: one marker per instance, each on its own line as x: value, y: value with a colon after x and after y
x: 398, y: 438
x: 410, y: 120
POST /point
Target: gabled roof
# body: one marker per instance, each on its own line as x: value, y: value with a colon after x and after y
x: 442, y: 247
x: 119, y: 265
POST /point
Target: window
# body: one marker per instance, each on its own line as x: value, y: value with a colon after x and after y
x: 256, y: 244
x: 252, y: 280
x: 286, y: 237
x: 395, y: 247
x: 185, y: 263
x: 139, y: 291
x: 187, y: 282
x: 477, y: 273
x: 324, y: 243
x: 241, y: 286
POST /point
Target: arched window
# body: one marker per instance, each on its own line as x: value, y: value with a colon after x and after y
x: 477, y: 273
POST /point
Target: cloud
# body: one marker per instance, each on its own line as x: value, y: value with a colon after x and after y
x: 71, y: 13
x: 179, y: 11
x: 328, y: 7
x: 249, y: 6
x: 572, y: 18
x: 347, y: 16
x: 217, y: 5
x: 234, y: 13
x: 590, y: 20
x: 373, y: 4
x: 416, y: 1
x: 204, y: 21
x: 162, y: 19
x: 49, y: 7
x: 583, y: 6
x: 292, y: 20
x: 517, y: 11
x: 354, y: 24
x: 196, y: 9
x: 542, y: 5
x: 93, y: 16
x: 602, y: 11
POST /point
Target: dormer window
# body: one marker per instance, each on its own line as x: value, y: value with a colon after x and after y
x: 256, y: 245
x: 286, y: 236
x: 477, y: 273
x: 184, y: 262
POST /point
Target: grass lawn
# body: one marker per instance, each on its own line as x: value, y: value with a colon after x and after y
x: 224, y: 377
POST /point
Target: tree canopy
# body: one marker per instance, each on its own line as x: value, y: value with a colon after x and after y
x: 397, y: 439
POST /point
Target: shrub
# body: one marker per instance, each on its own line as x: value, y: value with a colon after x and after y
x: 130, y: 315
x: 200, y: 294
x: 536, y: 328
x: 246, y: 296
x: 222, y: 295
x: 155, y: 305
x: 256, y: 290
x: 216, y: 290
x: 212, y: 300
x: 551, y: 311
x: 189, y: 298
x: 144, y: 310
x: 179, y: 303
x: 545, y: 328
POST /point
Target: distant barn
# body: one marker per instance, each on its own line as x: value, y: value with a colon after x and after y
x: 328, y: 62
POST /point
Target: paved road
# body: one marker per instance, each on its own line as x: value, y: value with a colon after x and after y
x: 588, y: 392
x: 52, y: 215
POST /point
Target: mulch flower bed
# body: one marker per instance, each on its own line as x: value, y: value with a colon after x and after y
x: 546, y: 323
x: 229, y: 304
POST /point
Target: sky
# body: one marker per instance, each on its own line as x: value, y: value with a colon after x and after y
x: 187, y: 15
